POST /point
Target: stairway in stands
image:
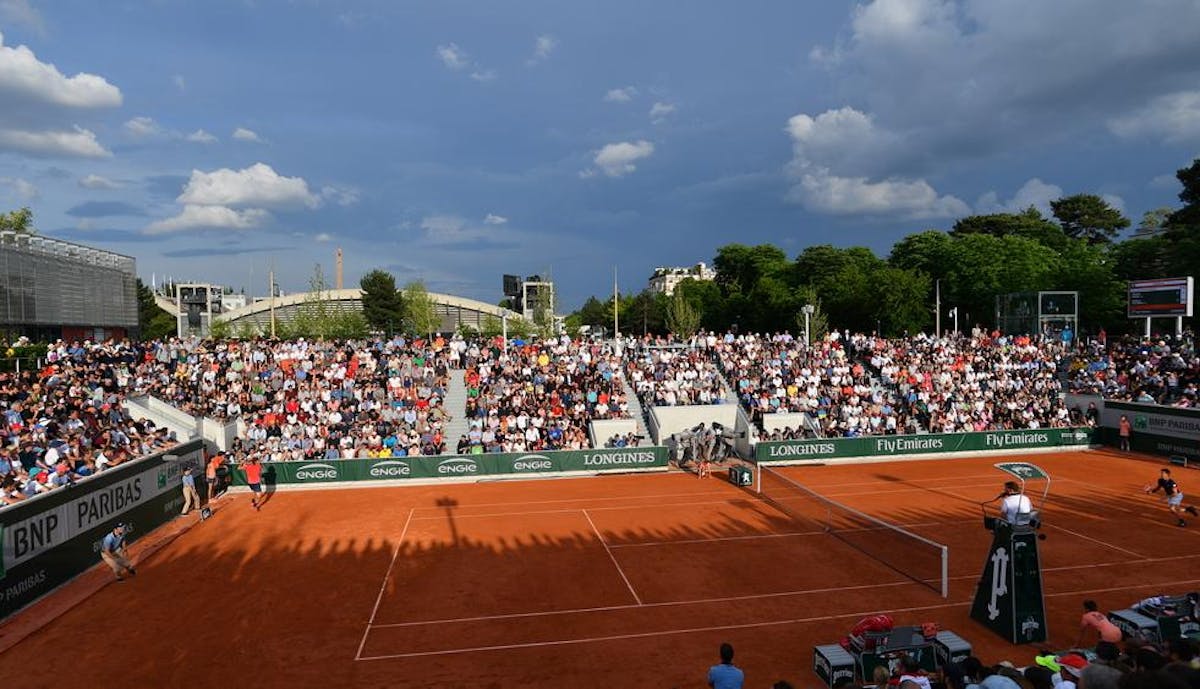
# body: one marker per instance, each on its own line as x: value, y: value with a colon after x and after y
x: 456, y: 406
x: 635, y: 409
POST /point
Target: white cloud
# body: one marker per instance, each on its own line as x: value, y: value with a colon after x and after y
x: 621, y: 95
x: 1167, y: 181
x: 180, y: 82
x: 1033, y: 192
x: 23, y: 76
x: 833, y: 156
x: 323, y: 237
x: 80, y: 143
x: 618, y: 159
x: 542, y: 47
x: 203, y: 217
x: 22, y: 188
x: 243, y: 134
x: 342, y: 196
x: 493, y: 219
x: 660, y: 110
x: 453, y: 57
x: 143, y: 128
x: 201, y: 137
x: 258, y: 185
x: 822, y: 191
x: 483, y: 75
x: 1174, y: 117
x: 21, y: 12
x: 965, y: 80
x: 97, y: 182
x: 449, y: 229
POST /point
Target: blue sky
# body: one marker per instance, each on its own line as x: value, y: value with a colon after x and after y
x: 457, y: 141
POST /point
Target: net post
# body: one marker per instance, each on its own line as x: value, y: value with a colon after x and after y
x: 757, y: 478
x: 945, y: 572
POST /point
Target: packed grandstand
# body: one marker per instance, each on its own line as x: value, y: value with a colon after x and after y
x: 298, y: 400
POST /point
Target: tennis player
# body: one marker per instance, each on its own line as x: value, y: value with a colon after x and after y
x: 253, y: 470
x: 1174, y: 496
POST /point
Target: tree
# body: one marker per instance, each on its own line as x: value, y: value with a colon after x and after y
x: 1029, y: 224
x: 420, y: 314
x: 1088, y: 217
x: 902, y: 301
x: 383, y: 305
x: 19, y: 221
x: 543, y: 311
x: 153, y: 322
x: 593, y: 312
x: 1186, y: 220
x: 818, y: 321
x: 984, y: 266
x: 682, y: 318
x: 1154, y: 221
x: 220, y: 329
x: 739, y: 267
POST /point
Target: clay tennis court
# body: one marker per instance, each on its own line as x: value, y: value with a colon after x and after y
x: 628, y: 581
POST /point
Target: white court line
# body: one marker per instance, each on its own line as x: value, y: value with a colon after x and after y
x: 752, y: 596
x: 570, y: 500
x: 749, y: 625
x: 616, y: 637
x: 717, y: 539
x: 382, y: 586
x: 612, y: 557
x: 1095, y: 540
x: 572, y: 510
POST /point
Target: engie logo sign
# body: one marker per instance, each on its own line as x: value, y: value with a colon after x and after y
x: 317, y: 472
x: 460, y: 466
x: 390, y: 468
x: 533, y: 463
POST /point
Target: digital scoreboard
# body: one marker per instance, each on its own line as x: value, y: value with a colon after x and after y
x: 1164, y: 297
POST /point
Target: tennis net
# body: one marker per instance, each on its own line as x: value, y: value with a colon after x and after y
x: 914, y: 556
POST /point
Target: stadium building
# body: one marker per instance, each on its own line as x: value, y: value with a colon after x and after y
x: 51, y: 289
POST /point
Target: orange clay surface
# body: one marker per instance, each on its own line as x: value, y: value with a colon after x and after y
x: 619, y: 581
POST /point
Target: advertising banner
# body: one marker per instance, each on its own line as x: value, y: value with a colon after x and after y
x: 49, y: 539
x: 932, y: 443
x: 461, y: 466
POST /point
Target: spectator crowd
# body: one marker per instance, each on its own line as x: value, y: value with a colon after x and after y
x: 1151, y: 371
x: 541, y: 396
x: 298, y: 400
x: 66, y: 421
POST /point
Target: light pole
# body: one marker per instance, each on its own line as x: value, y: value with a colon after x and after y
x: 808, y: 310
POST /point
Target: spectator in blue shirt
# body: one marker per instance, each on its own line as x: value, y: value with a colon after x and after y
x: 725, y: 675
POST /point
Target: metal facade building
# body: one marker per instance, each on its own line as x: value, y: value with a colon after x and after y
x: 50, y: 289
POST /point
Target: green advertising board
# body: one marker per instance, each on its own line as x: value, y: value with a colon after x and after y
x: 927, y: 444
x: 1156, y: 429
x: 462, y: 466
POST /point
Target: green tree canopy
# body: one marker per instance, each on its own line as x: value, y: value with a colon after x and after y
x: 383, y: 304
x: 20, y: 221
x: 1088, y: 217
x: 153, y: 321
x: 420, y: 315
x: 739, y: 267
x: 1029, y: 224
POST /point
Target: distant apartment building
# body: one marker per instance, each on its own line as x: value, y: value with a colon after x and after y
x: 666, y: 279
